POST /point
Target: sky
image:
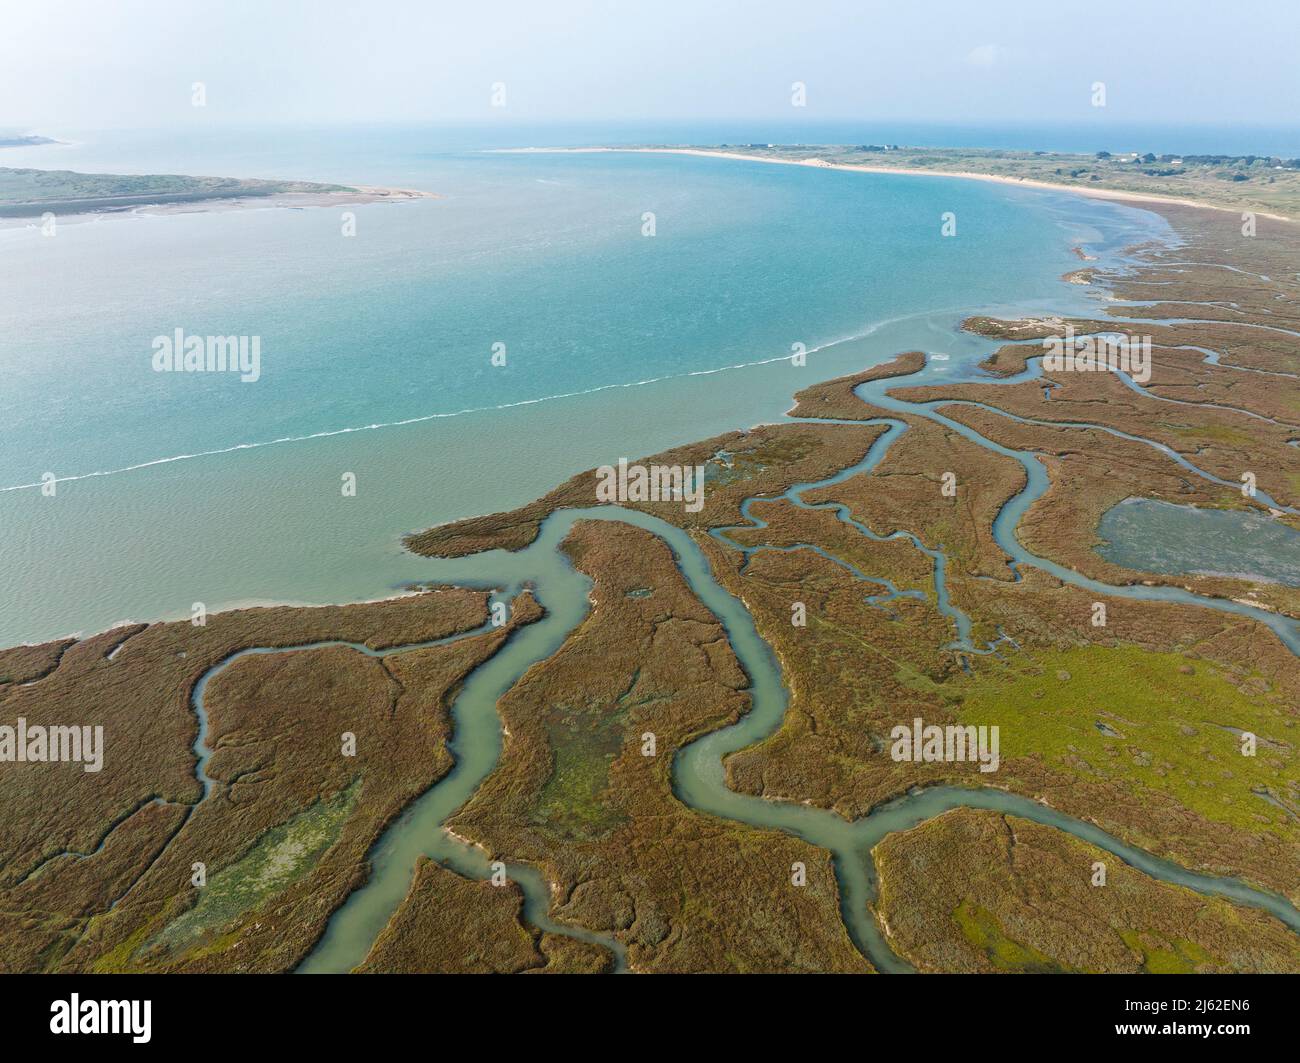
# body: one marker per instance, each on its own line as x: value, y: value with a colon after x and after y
x: 119, y: 64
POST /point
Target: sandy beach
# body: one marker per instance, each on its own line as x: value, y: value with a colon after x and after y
x: 293, y: 200
x: 1020, y: 182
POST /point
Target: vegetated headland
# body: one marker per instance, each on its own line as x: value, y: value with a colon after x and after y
x: 28, y: 193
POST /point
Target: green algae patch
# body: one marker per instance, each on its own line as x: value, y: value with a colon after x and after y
x: 981, y: 928
x: 1217, y: 433
x: 1161, y: 956
x: 573, y: 803
x: 1019, y: 896
x: 279, y: 858
x: 1178, y: 724
x: 118, y: 960
x: 733, y: 466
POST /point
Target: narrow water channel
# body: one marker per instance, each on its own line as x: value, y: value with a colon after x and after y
x: 698, y: 776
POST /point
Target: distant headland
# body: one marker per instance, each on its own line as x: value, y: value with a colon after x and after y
x: 27, y: 193
x: 9, y: 140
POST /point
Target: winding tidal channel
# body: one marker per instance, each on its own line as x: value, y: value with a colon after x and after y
x: 698, y: 776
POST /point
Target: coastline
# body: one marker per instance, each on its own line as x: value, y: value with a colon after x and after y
x: 243, y: 605
x: 19, y: 214
x: 972, y: 175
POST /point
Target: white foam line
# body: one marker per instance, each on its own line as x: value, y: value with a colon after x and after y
x: 454, y: 413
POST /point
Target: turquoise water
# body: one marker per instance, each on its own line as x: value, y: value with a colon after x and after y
x: 1154, y: 536
x: 177, y: 488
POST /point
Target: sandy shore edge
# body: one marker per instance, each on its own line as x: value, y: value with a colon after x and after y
x: 296, y: 200
x: 970, y: 175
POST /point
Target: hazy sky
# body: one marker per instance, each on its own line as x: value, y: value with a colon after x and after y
x: 68, y: 64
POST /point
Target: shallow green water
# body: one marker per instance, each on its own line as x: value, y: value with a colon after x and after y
x: 1154, y: 536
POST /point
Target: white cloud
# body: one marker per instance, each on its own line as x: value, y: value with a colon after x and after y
x: 985, y: 56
